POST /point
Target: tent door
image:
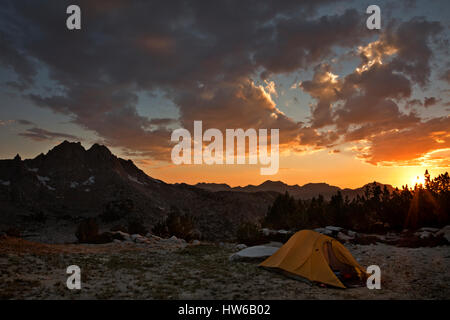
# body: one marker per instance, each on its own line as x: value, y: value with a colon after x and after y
x: 345, y: 273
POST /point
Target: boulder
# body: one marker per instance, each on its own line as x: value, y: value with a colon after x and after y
x: 275, y: 244
x: 343, y: 237
x: 351, y: 233
x: 256, y: 253
x: 333, y: 228
x: 240, y: 246
x: 445, y: 232
x: 135, y: 236
x: 155, y: 238
x: 122, y: 236
x: 423, y: 234
x: 141, y: 240
x: 428, y: 229
x: 324, y: 231
x: 175, y: 240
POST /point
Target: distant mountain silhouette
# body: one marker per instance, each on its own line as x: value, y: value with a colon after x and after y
x: 70, y: 183
x: 304, y: 192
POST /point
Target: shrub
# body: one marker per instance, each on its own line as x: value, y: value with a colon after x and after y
x: 249, y: 234
x: 181, y: 225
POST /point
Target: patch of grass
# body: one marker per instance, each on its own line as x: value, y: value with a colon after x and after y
x: 199, y: 251
x: 16, y: 287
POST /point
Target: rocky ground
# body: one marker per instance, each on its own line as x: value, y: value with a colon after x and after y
x: 176, y: 270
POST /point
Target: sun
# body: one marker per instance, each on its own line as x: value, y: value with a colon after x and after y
x: 418, y: 180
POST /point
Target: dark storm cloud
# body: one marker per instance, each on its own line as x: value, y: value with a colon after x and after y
x: 19, y: 121
x: 190, y: 50
x: 363, y: 106
x: 112, y: 114
x: 446, y: 76
x: 203, y: 56
x: 325, y: 90
x: 39, y: 134
x: 430, y: 101
x: 24, y: 122
x: 10, y: 57
x: 412, y: 41
x: 296, y: 43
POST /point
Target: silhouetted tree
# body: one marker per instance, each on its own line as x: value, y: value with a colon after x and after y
x: 427, y: 205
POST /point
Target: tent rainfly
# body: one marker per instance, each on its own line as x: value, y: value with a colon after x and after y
x: 318, y: 258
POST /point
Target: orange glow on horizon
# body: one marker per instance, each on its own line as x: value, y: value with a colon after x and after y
x: 347, y: 175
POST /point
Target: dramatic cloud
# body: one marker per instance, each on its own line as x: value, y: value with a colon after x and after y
x: 411, y: 41
x: 411, y: 146
x: 324, y: 87
x: 363, y: 105
x: 24, y: 122
x: 10, y: 57
x: 430, y: 101
x: 446, y: 76
x: 174, y: 48
x: 19, y: 121
x: 39, y: 134
x: 6, y: 122
x: 215, y: 61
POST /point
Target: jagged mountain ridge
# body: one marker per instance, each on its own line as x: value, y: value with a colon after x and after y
x: 70, y: 181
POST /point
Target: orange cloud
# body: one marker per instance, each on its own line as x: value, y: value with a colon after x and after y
x: 418, y: 145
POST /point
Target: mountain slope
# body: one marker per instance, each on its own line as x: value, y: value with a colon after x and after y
x: 70, y: 182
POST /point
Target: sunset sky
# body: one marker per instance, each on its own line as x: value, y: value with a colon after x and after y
x: 352, y: 105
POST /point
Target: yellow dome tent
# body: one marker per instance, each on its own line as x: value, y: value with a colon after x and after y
x: 316, y: 257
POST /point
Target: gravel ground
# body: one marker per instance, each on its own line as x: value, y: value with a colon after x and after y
x: 30, y: 270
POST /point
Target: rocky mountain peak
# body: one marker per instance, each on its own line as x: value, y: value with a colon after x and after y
x: 273, y: 183
x: 66, y: 150
x: 100, y: 150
